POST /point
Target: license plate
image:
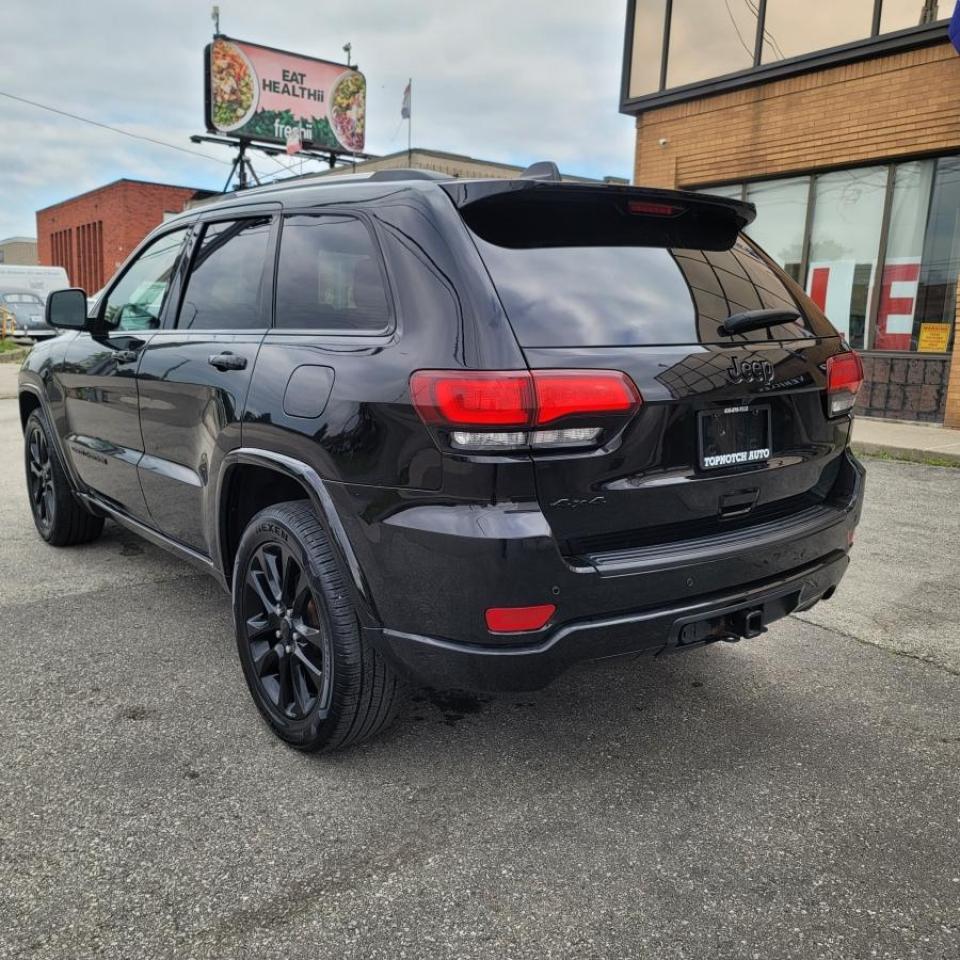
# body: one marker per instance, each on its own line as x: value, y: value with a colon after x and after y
x: 733, y: 436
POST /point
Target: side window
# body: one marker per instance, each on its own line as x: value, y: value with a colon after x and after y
x: 329, y: 277
x: 137, y: 300
x: 223, y: 289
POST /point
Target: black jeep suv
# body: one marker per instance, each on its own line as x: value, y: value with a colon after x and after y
x: 465, y: 431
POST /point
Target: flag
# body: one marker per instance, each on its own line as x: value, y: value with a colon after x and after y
x: 405, y: 108
x: 294, y: 141
x: 955, y: 27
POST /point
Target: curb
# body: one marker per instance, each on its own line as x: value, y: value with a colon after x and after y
x: 909, y: 454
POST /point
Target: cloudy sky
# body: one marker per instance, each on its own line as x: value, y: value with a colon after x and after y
x: 511, y: 80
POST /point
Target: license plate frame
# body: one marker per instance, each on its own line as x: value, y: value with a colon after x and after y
x: 749, y: 447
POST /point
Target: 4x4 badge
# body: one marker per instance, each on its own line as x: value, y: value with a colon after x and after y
x: 750, y: 371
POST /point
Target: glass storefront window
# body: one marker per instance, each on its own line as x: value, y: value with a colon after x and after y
x: 844, y: 243
x: 733, y: 191
x: 781, y: 220
x: 936, y: 296
x: 901, y: 268
x: 709, y: 40
x: 900, y: 14
x: 647, y: 50
x: 913, y: 294
x: 792, y: 28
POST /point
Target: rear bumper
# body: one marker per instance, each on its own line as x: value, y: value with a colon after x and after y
x: 432, y: 569
x: 444, y: 663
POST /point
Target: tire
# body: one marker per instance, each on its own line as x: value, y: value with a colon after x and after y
x: 315, y: 679
x: 59, y: 517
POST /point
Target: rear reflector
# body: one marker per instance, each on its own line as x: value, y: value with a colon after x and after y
x: 510, y: 398
x: 844, y: 380
x: 519, y: 619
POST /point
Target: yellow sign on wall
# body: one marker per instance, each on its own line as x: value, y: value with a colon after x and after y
x: 934, y: 338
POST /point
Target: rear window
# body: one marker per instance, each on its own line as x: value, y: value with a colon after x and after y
x: 594, y: 296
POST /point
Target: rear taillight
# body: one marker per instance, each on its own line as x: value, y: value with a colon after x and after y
x: 489, y: 410
x: 844, y: 380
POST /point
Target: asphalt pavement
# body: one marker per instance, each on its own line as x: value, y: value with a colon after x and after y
x: 790, y: 796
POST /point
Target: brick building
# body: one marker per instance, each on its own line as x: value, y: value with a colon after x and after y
x: 91, y: 235
x: 840, y: 122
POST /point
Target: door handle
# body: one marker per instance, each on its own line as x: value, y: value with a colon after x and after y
x: 126, y: 356
x: 227, y: 361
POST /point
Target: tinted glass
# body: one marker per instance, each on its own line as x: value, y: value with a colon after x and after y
x: 647, y: 47
x: 709, y: 39
x: 844, y: 245
x: 793, y: 27
x: 624, y: 296
x: 329, y: 276
x: 781, y: 220
x: 900, y: 14
x: 223, y: 290
x: 901, y: 268
x: 136, y: 302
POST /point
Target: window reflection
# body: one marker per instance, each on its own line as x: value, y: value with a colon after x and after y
x: 781, y: 220
x: 901, y: 14
x: 793, y: 28
x: 936, y: 299
x: 901, y: 268
x: 844, y: 244
x: 710, y: 39
x: 647, y: 49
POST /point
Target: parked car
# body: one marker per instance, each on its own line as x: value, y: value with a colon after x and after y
x: 465, y: 432
x: 26, y: 311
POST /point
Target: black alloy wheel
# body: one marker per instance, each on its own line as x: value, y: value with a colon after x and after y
x: 40, y: 479
x: 289, y: 644
x: 60, y: 517
x: 315, y: 678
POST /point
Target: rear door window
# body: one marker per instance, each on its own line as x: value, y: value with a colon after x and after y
x: 224, y: 289
x: 594, y: 296
x: 329, y: 277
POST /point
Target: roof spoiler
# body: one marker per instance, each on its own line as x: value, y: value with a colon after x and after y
x: 535, y: 212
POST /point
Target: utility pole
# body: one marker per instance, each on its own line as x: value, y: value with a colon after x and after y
x: 929, y: 12
x: 347, y: 48
x: 215, y: 17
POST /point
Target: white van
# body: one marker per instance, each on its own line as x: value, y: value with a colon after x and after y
x: 38, y: 280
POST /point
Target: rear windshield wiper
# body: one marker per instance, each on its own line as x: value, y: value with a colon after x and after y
x: 757, y: 320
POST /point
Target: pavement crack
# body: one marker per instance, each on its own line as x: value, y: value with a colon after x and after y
x: 895, y: 651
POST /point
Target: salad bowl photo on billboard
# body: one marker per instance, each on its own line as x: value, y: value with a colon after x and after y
x: 260, y: 93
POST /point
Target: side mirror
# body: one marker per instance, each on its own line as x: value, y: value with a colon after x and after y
x: 67, y: 309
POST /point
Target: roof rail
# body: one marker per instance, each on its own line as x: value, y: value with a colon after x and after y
x: 542, y: 170
x: 405, y: 173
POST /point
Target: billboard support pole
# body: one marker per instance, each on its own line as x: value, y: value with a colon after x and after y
x: 241, y: 166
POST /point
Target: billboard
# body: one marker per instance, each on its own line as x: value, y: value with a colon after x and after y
x: 265, y: 94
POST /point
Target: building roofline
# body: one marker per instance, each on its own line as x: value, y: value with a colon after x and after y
x: 18, y: 240
x: 114, y: 183
x: 447, y: 155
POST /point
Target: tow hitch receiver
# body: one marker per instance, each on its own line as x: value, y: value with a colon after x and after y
x: 749, y: 623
